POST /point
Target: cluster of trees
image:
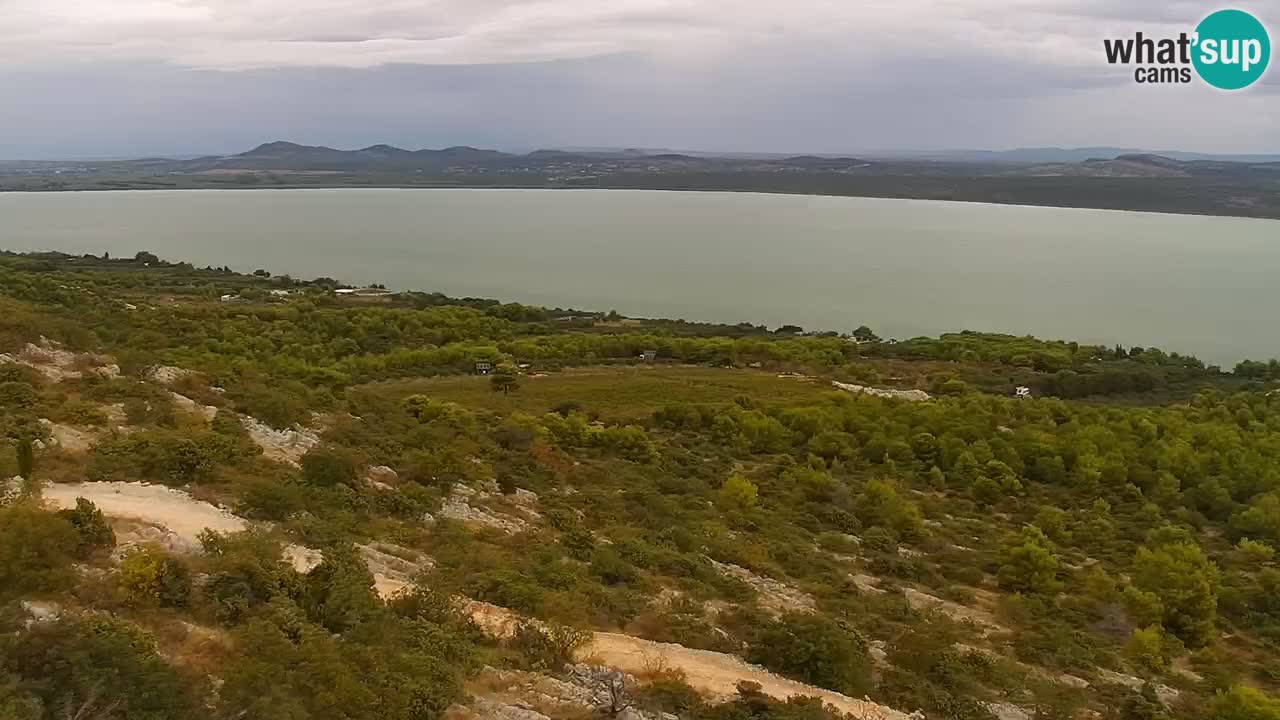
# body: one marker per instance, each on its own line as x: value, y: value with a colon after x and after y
x: 300, y: 645
x: 1122, y: 537
x: 1024, y: 351
x: 1269, y: 370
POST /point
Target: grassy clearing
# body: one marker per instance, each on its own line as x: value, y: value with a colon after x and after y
x: 615, y: 393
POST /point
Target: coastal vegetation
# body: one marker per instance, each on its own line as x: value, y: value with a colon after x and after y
x: 421, y: 499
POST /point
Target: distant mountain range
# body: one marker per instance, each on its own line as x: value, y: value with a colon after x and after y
x: 1080, y: 177
x: 290, y: 157
x: 1059, y: 155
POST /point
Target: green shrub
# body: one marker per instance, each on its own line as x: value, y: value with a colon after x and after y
x: 37, y: 549
x: 173, y: 457
x: 91, y: 525
x: 609, y: 566
x: 150, y: 576
x: 17, y: 395
x: 546, y: 648
x: 271, y: 499
x: 338, y: 593
x: 1028, y: 563
x: 98, y: 667
x: 1245, y: 703
x: 246, y: 571
x: 814, y: 649
x: 326, y: 468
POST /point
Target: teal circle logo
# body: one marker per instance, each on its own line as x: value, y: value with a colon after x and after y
x: 1231, y: 49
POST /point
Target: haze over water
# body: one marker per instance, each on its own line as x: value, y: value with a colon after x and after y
x: 1208, y: 286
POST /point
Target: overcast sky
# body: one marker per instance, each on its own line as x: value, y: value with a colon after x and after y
x: 101, y: 78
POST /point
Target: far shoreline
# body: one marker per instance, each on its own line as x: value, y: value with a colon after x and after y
x: 621, y: 188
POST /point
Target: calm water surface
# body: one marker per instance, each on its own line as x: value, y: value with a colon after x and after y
x: 1205, y: 285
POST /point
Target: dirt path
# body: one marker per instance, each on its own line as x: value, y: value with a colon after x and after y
x: 712, y: 673
x: 718, y: 674
x: 186, y: 517
x: 156, y: 504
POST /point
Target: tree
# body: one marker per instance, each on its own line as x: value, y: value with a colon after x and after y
x: 403, y: 665
x: 862, y: 333
x: 966, y: 469
x: 23, y: 430
x: 146, y: 258
x: 1254, y: 553
x: 246, y: 571
x: 739, y: 492
x: 338, y: 593
x: 1142, y: 705
x: 1260, y: 521
x: 1054, y: 523
x: 262, y: 680
x: 1147, y: 648
x: 1049, y: 469
x: 815, y: 649
x: 17, y: 395
x: 880, y: 504
x: 547, y: 648
x: 91, y: 525
x: 326, y: 468
x: 504, y: 380
x: 1028, y: 563
x: 1245, y: 703
x: 1186, y: 584
x: 97, y: 667
x: 924, y: 447
x: 25, y: 451
x: 37, y: 548
x: 16, y: 703
x: 149, y: 576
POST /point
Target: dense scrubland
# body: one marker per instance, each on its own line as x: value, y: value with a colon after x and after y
x: 1105, y: 548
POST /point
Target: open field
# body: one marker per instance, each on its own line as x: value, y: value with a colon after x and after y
x: 624, y: 392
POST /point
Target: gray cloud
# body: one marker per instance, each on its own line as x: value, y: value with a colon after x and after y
x: 122, y: 77
x: 240, y: 34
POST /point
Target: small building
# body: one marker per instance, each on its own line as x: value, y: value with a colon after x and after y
x: 648, y: 355
x: 483, y: 368
x: 279, y: 293
x: 1022, y: 391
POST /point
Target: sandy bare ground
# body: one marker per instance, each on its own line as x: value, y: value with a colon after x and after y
x: 711, y: 673
x: 717, y: 674
x: 156, y: 504
x: 186, y: 517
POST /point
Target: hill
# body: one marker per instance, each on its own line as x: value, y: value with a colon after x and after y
x: 1039, y: 155
x: 247, y: 496
x: 1124, y: 181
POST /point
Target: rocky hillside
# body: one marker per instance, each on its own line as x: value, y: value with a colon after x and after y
x: 305, y: 504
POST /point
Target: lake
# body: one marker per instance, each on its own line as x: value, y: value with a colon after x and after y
x: 1203, y: 285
